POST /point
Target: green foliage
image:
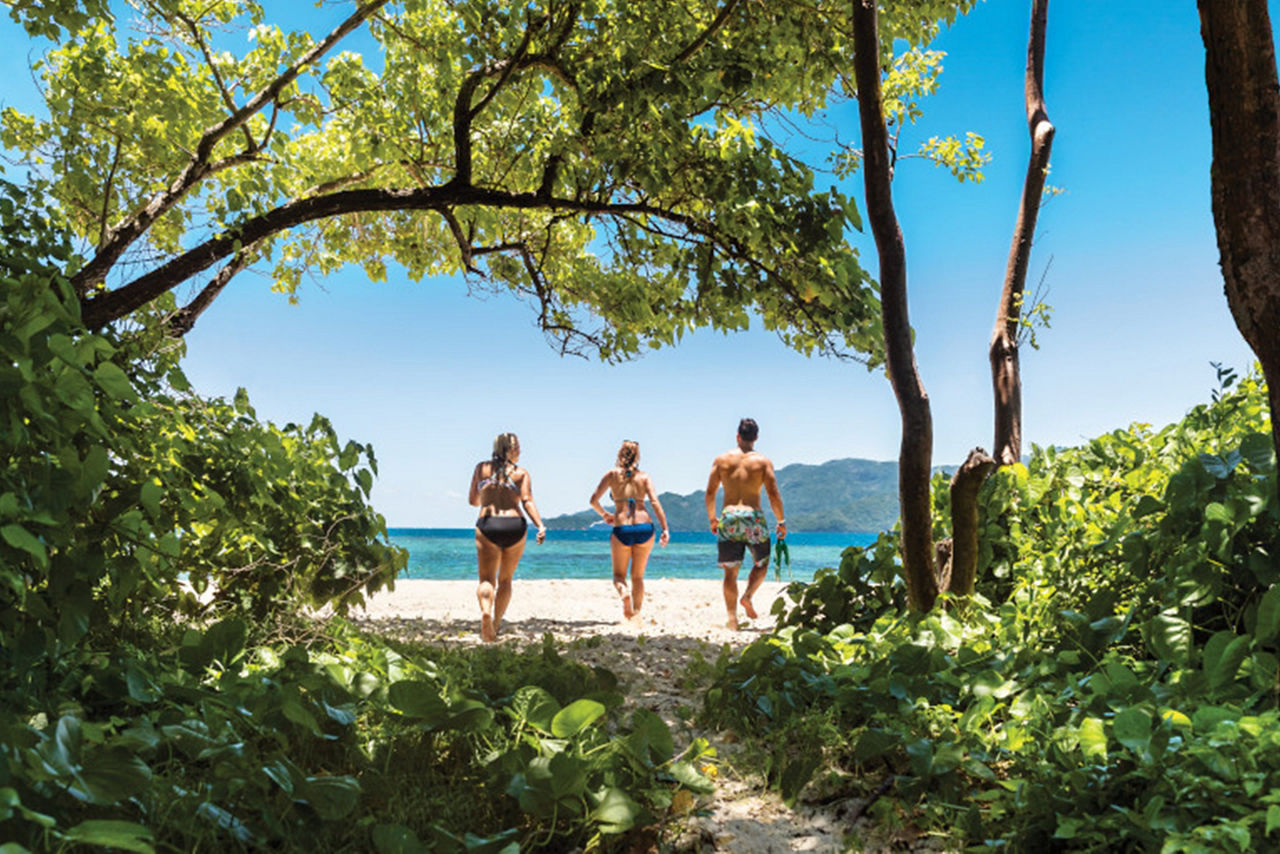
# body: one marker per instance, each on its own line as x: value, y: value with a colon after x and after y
x: 602, y: 162
x: 164, y: 686
x: 1112, y: 687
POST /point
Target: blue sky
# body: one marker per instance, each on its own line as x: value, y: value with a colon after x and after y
x: 429, y: 374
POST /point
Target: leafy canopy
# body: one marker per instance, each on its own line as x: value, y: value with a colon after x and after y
x: 602, y: 159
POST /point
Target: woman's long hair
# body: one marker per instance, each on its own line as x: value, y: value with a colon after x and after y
x: 629, y: 457
x: 503, y: 447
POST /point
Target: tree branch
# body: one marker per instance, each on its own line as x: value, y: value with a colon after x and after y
x: 184, y: 319
x: 124, y: 234
x: 1006, y: 381
x: 106, y: 307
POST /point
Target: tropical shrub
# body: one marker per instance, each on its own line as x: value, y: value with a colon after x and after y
x: 1113, y: 686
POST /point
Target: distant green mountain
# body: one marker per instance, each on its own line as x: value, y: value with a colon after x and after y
x: 840, y: 495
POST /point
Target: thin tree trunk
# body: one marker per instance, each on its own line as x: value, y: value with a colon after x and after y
x: 1244, y: 113
x: 916, y: 450
x: 1006, y: 376
x: 966, y: 482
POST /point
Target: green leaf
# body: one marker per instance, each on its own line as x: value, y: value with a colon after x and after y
x: 1132, y: 728
x: 1170, y: 636
x: 615, y: 812
x: 114, y: 381
x: 568, y: 776
x: 111, y: 775
x: 1093, y: 738
x: 225, y: 639
x: 1229, y: 663
x: 1273, y: 819
x: 1258, y: 451
x: 535, y: 706
x: 691, y: 778
x: 873, y: 743
x: 1268, y: 625
x: 650, y: 738
x: 331, y: 797
x: 575, y: 717
x: 149, y: 495
x: 108, y: 833
x: 397, y: 839
x: 74, y: 390
x: 20, y: 538
x: 795, y: 776
x: 419, y: 700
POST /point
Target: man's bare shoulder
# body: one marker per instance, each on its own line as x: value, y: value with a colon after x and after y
x: 728, y: 458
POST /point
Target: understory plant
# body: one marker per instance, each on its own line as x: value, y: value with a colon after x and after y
x: 1113, y: 685
x: 165, y: 681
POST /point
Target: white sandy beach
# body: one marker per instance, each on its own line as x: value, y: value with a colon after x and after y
x: 573, y: 608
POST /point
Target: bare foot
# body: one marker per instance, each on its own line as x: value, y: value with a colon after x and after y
x: 732, y: 623
x: 628, y: 610
x: 488, y: 633
x: 746, y: 606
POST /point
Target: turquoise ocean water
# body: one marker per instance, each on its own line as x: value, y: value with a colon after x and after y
x: 450, y: 553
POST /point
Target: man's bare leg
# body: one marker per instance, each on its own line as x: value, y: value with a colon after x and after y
x: 755, y: 578
x: 731, y: 592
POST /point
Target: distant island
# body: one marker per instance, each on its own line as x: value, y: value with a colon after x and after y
x: 852, y: 495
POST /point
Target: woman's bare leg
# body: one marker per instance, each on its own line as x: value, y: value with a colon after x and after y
x: 639, y: 560
x: 507, y: 571
x: 487, y: 557
x: 620, y: 555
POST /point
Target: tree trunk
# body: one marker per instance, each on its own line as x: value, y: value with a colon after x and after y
x: 968, y: 479
x: 916, y: 450
x: 1244, y: 113
x: 1006, y: 377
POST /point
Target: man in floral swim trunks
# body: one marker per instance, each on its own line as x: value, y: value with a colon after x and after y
x: 741, y: 525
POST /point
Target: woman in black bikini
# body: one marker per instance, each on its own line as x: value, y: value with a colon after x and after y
x: 500, y: 488
x: 632, y: 538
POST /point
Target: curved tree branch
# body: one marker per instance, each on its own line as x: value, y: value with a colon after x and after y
x: 124, y: 234
x: 184, y: 319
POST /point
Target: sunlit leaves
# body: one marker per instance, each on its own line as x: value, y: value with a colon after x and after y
x: 618, y: 144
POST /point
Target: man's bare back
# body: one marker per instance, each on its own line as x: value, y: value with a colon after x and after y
x: 742, y: 473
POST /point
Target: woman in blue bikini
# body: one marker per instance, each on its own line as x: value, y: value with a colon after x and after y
x: 633, y: 530
x: 500, y: 488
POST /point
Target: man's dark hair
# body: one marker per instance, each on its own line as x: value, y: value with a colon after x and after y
x: 748, y: 429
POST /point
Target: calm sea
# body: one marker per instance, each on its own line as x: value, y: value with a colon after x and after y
x: 450, y: 553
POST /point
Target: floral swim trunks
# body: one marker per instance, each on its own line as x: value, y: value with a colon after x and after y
x: 739, y: 529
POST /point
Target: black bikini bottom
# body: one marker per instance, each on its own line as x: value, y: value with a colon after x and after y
x: 502, y: 531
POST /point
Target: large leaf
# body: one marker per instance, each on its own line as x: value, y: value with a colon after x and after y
x: 535, y: 706
x: 1169, y: 637
x: 1229, y: 662
x: 1268, y: 625
x: 795, y: 776
x: 111, y: 775
x: 615, y: 812
x: 106, y: 833
x: 419, y: 700
x: 397, y: 839
x: 575, y: 717
x: 1093, y: 738
x: 331, y: 797
x: 1132, y: 728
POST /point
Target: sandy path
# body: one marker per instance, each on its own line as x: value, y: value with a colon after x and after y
x: 681, y: 623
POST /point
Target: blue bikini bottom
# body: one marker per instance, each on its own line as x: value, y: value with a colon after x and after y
x: 634, y: 535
